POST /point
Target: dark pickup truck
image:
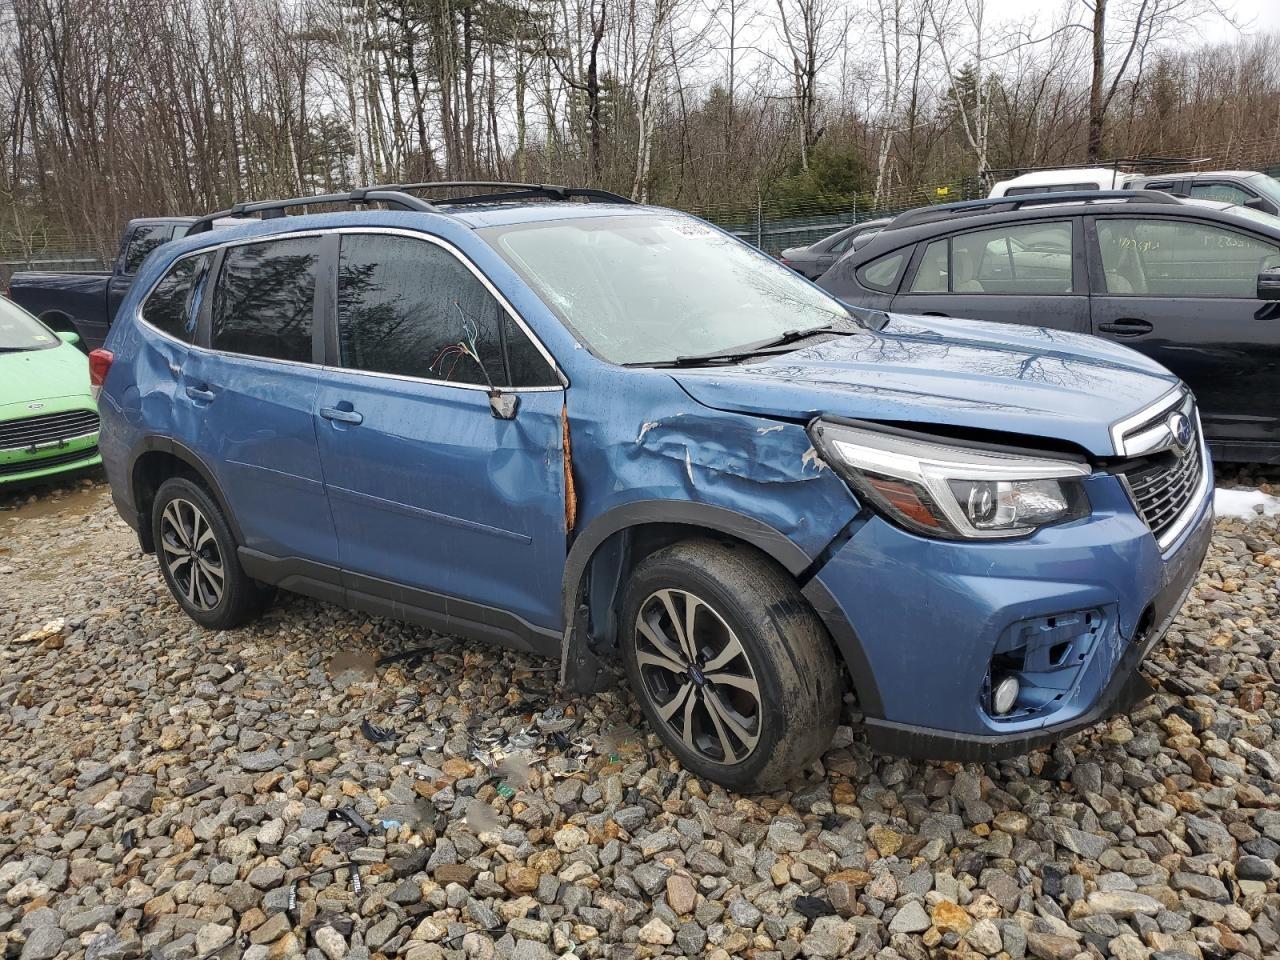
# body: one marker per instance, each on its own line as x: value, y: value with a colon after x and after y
x: 86, y: 303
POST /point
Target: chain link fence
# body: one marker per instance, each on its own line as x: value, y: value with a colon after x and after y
x: 775, y: 225
x: 771, y: 225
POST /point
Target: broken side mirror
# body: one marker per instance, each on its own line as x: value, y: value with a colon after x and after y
x: 503, y: 405
x: 1269, y: 284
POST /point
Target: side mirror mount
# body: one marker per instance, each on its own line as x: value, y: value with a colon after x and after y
x: 68, y: 336
x: 504, y: 405
x: 1269, y: 284
x: 1256, y: 203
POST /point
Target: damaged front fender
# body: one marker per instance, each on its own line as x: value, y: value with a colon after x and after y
x: 681, y: 470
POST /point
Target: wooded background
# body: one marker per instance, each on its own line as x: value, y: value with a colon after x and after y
x: 118, y: 108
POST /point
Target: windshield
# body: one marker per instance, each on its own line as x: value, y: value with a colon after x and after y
x: 21, y: 331
x: 649, y: 289
x: 1269, y: 187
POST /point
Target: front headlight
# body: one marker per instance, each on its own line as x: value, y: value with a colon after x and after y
x: 949, y: 488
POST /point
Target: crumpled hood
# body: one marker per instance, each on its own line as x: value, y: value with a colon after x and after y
x: 991, y: 376
x: 35, y: 375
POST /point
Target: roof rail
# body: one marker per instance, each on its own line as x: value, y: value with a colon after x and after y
x: 510, y: 190
x: 966, y: 208
x: 396, y: 195
x: 1114, y: 164
x: 270, y: 209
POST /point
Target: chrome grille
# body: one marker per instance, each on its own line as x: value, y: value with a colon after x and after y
x: 48, y: 428
x: 1166, y: 480
x: 1164, y: 487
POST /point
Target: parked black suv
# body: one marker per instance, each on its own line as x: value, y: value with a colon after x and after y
x: 1178, y: 280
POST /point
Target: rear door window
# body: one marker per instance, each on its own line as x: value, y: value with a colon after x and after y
x: 265, y: 298
x: 411, y: 308
x: 145, y: 238
x: 1181, y: 258
x: 1020, y: 259
x: 172, y: 307
x: 932, y: 275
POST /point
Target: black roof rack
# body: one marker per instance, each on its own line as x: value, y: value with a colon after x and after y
x: 1113, y: 164
x: 270, y: 209
x: 965, y: 208
x: 397, y: 195
x: 511, y: 190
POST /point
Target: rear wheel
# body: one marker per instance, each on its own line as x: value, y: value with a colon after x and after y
x: 197, y: 555
x: 729, y: 663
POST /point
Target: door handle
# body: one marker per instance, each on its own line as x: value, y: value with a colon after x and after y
x: 342, y: 416
x: 936, y: 313
x: 201, y: 394
x: 1127, y: 327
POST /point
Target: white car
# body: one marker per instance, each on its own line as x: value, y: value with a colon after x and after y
x: 1062, y: 181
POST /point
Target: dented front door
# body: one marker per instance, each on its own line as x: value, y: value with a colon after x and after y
x: 432, y: 490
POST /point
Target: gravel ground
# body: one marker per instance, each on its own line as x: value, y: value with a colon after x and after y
x: 162, y: 787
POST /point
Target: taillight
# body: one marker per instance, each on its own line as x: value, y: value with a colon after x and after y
x: 99, y: 365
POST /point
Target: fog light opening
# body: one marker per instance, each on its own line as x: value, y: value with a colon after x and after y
x: 1004, y: 695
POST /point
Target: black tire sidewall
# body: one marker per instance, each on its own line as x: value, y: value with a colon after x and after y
x: 233, y: 606
x: 661, y: 572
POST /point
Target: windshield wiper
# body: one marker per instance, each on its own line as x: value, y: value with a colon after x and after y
x: 747, y: 350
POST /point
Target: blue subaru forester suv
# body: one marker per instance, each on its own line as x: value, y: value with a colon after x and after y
x: 614, y: 434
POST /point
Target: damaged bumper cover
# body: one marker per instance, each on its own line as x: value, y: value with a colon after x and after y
x: 1071, y: 611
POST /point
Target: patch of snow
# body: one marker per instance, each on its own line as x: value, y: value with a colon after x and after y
x: 1244, y: 503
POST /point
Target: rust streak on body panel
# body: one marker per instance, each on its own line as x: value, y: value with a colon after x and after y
x: 570, y: 494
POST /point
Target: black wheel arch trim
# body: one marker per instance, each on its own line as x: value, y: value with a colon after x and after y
x: 687, y: 512
x: 758, y: 534
x: 179, y: 450
x: 849, y: 645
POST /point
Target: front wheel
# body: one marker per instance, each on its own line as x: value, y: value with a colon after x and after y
x: 730, y: 665
x: 197, y: 555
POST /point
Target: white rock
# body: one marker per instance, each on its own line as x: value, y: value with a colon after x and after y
x: 331, y: 943
x: 570, y: 838
x: 656, y: 932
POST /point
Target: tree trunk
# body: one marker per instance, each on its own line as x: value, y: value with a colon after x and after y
x: 1097, y: 109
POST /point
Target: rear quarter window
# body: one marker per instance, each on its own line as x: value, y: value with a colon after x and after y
x: 173, y: 305
x: 884, y: 272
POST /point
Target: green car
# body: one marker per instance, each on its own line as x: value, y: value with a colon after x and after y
x: 48, y: 416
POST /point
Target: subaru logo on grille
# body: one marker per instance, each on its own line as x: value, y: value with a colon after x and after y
x: 1180, y: 427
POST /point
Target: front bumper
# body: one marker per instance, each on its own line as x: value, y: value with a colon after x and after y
x: 919, y: 622
x: 48, y: 457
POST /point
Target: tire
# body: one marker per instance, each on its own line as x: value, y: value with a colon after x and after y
x: 183, y: 510
x: 743, y: 740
